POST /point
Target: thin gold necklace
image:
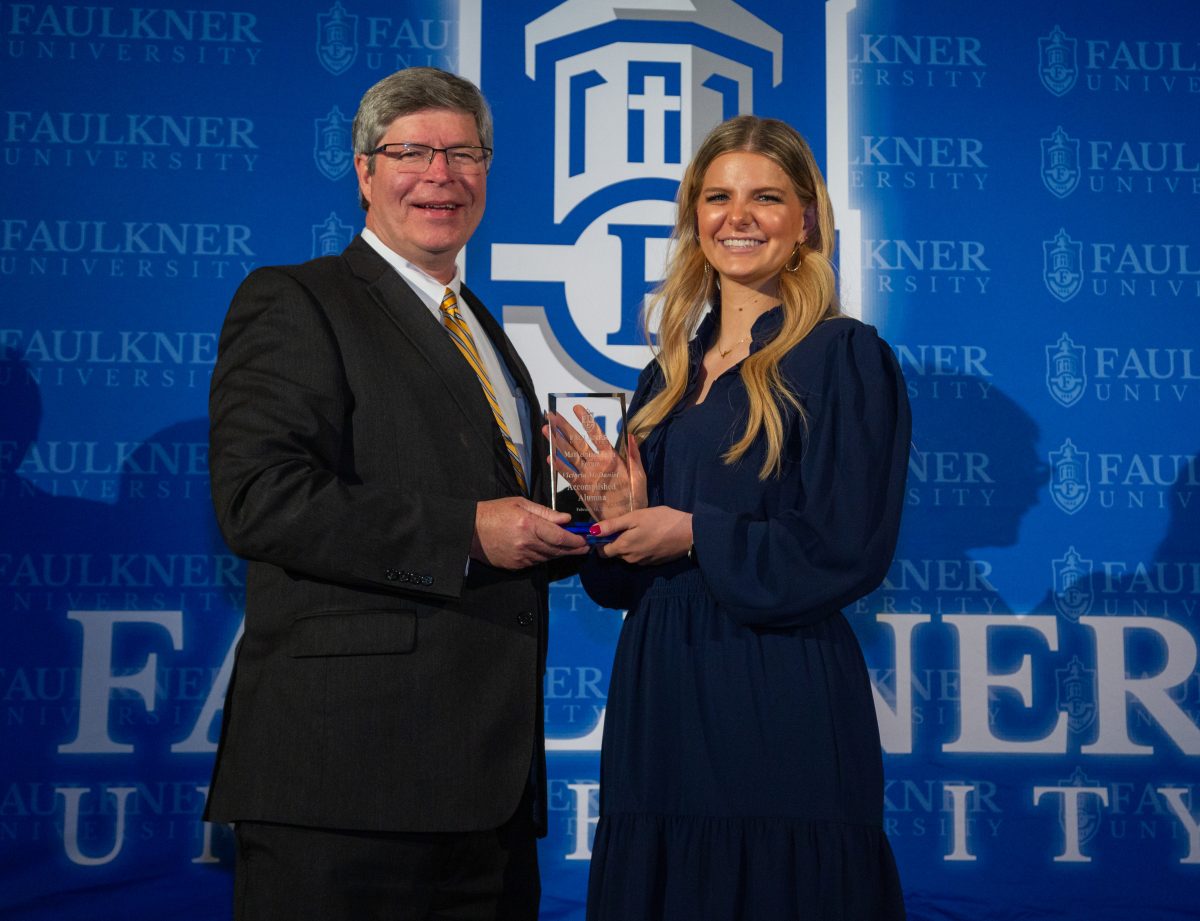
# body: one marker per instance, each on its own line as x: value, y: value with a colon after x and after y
x: 724, y: 352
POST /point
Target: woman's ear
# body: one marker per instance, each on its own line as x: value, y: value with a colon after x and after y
x: 810, y: 219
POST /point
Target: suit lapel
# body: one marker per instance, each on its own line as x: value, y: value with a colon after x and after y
x: 405, y: 309
x: 392, y: 294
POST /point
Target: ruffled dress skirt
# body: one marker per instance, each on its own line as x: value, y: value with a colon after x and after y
x: 741, y: 771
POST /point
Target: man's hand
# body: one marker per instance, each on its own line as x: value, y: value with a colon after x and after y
x: 514, y: 533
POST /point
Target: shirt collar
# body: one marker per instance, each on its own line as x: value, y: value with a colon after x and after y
x: 766, y: 327
x: 430, y: 289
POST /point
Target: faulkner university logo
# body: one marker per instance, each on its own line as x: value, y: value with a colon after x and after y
x: 1066, y: 376
x: 331, y: 236
x: 1060, y: 163
x: 332, y: 145
x: 1076, y: 689
x: 1062, y: 265
x: 1070, y: 483
x: 1057, y: 65
x: 1072, y: 584
x: 115, y: 34
x: 1087, y: 808
x: 337, y: 39
x: 629, y: 106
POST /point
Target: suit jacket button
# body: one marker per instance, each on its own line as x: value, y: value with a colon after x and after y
x: 392, y: 575
x: 525, y: 618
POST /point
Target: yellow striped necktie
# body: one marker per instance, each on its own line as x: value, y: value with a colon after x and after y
x: 457, y: 327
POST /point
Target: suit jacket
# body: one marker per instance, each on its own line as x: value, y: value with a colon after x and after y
x: 378, y: 685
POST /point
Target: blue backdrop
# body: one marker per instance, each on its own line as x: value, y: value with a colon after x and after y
x: 1016, y: 190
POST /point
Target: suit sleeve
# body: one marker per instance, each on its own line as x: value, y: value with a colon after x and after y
x: 798, y: 565
x: 286, y: 485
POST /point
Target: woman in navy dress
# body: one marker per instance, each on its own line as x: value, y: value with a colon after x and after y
x: 741, y: 772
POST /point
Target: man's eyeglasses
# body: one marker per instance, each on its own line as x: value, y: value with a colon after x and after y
x: 417, y: 158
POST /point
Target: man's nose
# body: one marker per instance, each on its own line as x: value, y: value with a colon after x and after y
x: 440, y: 165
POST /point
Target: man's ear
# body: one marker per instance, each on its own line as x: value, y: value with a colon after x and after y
x: 362, y: 167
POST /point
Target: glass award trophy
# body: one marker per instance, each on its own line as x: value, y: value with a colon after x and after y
x: 589, y: 459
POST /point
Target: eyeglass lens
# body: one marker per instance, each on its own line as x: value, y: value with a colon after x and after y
x: 417, y: 158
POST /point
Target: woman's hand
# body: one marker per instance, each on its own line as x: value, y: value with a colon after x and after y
x: 605, y: 484
x: 647, y: 535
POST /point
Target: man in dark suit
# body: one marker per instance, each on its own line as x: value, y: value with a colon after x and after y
x: 375, y: 455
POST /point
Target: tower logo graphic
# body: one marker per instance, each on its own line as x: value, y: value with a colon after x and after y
x: 337, y: 39
x: 1062, y: 265
x: 1072, y: 585
x: 331, y: 236
x: 1076, y: 688
x: 1057, y: 62
x: 1066, y: 376
x: 635, y: 86
x: 332, y: 146
x: 1060, y: 163
x: 1070, y: 483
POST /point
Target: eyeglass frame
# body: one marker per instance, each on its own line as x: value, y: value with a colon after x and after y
x: 382, y: 149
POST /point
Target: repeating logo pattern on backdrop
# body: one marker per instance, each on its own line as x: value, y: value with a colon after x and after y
x: 118, y: 35
x: 333, y: 148
x: 337, y: 39
x: 128, y: 141
x: 1062, y: 265
x: 1066, y: 376
x: 1076, y: 695
x: 424, y: 38
x: 1060, y: 163
x: 1058, y: 65
x: 346, y: 42
x: 1130, y: 374
x: 331, y: 236
x: 1119, y: 166
x: 1118, y: 65
x: 1072, y: 584
x: 915, y: 62
x: 1154, y: 270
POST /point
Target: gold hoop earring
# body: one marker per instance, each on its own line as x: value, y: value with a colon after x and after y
x: 798, y: 256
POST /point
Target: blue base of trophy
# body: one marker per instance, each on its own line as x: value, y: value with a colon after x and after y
x: 582, y: 528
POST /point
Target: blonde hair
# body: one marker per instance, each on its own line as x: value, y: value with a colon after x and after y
x: 808, y: 295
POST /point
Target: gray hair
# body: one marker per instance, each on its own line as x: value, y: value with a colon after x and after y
x: 415, y: 89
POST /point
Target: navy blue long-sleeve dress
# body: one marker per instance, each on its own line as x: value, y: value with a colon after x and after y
x: 741, y: 773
